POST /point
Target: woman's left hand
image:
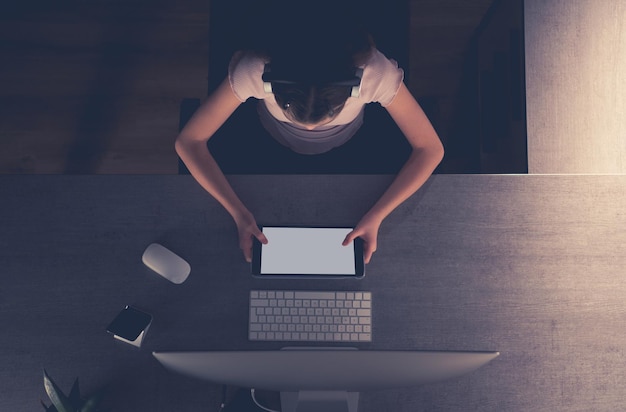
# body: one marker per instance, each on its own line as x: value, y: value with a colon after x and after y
x: 367, y: 230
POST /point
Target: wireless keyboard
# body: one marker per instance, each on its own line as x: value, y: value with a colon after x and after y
x: 320, y: 316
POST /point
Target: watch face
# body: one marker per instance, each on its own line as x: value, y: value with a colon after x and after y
x: 129, y: 323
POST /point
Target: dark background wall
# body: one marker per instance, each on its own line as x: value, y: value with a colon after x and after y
x: 95, y: 87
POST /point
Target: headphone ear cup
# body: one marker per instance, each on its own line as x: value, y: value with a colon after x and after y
x: 267, y: 86
x: 356, y: 90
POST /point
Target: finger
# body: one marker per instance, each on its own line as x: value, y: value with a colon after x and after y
x: 368, y: 250
x: 257, y: 233
x: 367, y: 253
x: 246, y: 248
x: 260, y: 236
x: 350, y: 237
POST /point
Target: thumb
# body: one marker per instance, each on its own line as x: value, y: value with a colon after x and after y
x: 350, y: 237
x: 260, y: 236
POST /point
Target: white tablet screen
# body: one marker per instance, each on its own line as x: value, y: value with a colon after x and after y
x: 293, y: 250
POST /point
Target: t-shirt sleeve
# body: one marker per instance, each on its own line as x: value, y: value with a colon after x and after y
x: 244, y: 74
x: 381, y: 79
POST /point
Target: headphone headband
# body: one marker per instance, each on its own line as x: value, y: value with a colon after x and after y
x: 354, y: 82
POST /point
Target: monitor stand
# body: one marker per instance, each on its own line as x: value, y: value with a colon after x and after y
x: 315, y: 401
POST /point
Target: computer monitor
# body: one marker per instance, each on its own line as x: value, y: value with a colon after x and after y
x: 323, y: 379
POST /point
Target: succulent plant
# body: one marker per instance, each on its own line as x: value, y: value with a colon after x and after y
x: 69, y: 403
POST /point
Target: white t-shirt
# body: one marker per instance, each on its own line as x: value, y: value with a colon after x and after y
x: 380, y: 82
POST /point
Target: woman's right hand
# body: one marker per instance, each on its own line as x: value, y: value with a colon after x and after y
x: 247, y: 229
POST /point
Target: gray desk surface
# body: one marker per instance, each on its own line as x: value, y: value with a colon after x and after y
x: 532, y: 266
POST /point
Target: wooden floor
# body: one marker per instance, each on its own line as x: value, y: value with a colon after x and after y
x: 95, y: 87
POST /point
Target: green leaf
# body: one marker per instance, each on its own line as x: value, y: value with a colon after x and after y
x: 74, y: 397
x: 50, y: 408
x: 91, y: 404
x: 58, y: 398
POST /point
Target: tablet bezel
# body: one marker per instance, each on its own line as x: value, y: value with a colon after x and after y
x: 359, y: 263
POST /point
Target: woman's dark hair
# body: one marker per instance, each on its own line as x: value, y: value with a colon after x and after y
x: 312, y: 47
x: 310, y: 104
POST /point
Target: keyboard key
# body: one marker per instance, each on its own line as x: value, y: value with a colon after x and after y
x: 259, y: 303
x: 314, y: 295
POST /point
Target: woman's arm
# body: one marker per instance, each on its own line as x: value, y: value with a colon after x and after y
x: 427, y: 153
x: 191, y: 146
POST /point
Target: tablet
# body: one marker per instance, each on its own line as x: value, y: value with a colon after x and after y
x: 307, y: 252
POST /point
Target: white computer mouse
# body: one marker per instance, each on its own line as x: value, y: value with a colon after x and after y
x: 166, y: 263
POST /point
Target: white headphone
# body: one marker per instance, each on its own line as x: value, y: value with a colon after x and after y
x: 353, y: 82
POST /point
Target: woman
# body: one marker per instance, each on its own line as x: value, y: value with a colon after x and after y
x: 312, y: 76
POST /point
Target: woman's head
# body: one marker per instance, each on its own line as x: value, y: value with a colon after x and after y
x: 312, y: 49
x: 311, y: 104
